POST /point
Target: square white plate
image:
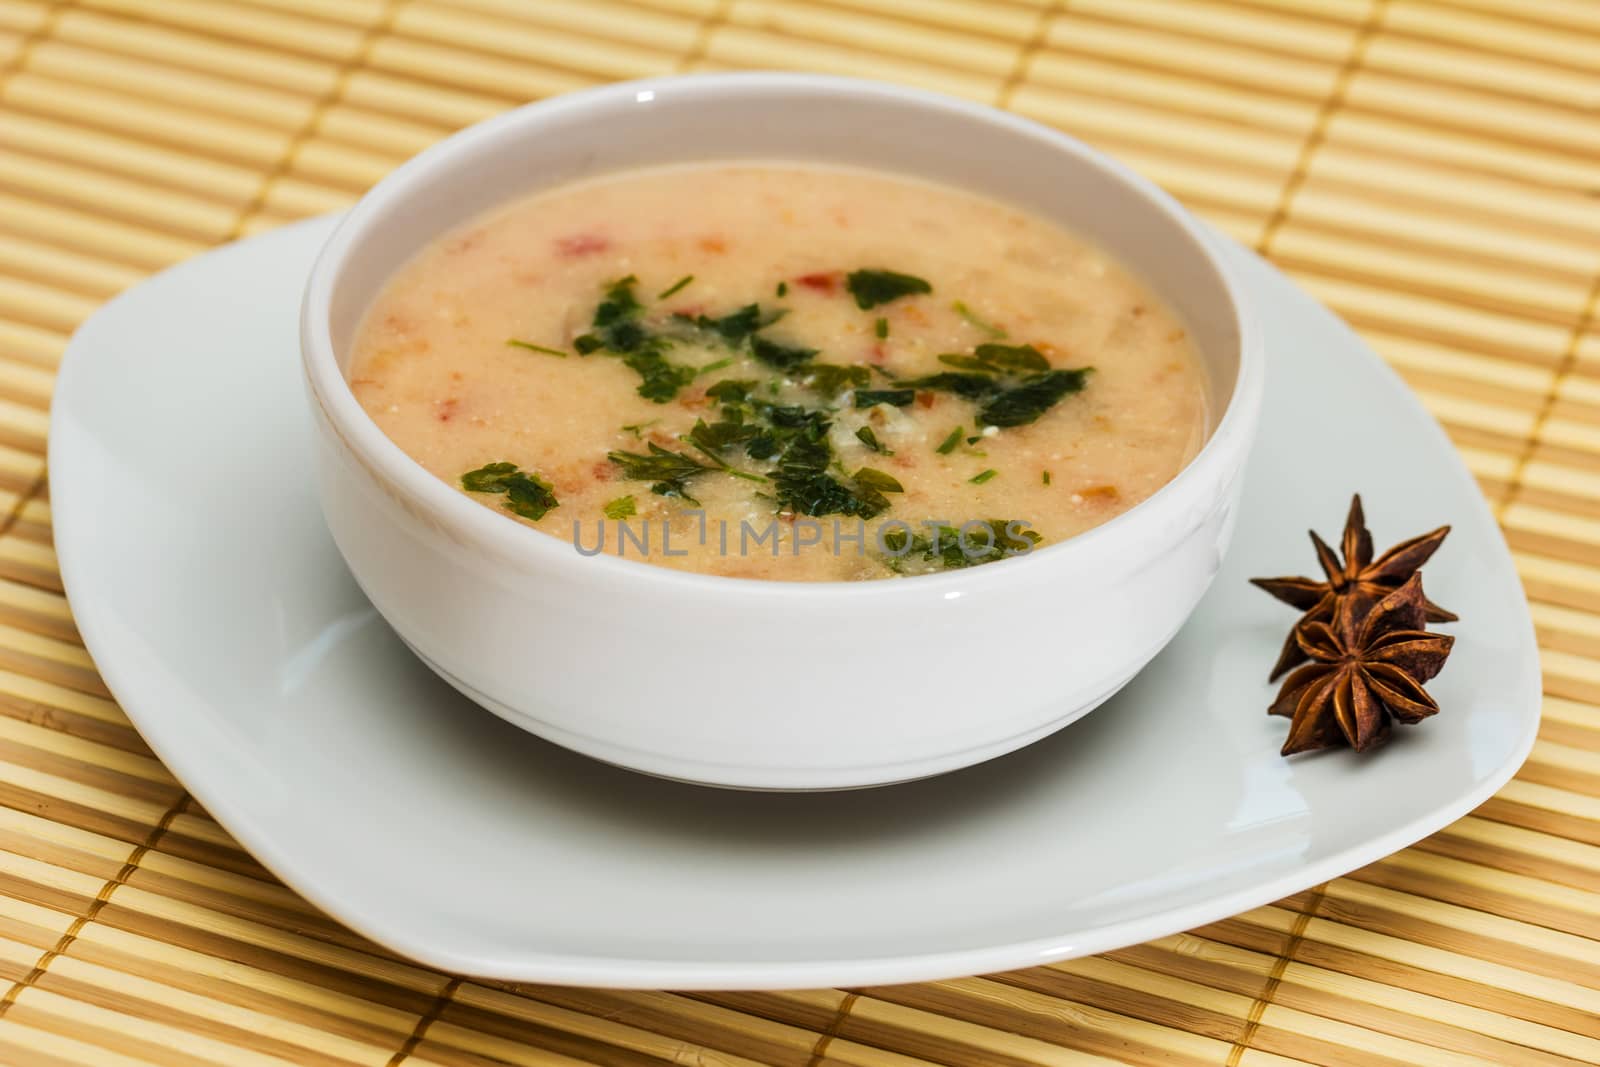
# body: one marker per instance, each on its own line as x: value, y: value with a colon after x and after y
x: 219, y: 612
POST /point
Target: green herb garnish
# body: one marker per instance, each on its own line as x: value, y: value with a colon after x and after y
x: 659, y: 464
x: 660, y: 379
x: 1045, y: 477
x: 874, y: 287
x: 1000, y: 359
x: 670, y: 471
x: 716, y: 437
x: 1036, y: 395
x: 675, y: 287
x: 489, y: 478
x: 944, y: 548
x: 616, y: 321
x: 783, y: 425
x: 731, y: 390
x: 712, y: 438
x: 987, y: 327
x: 831, y: 379
x: 1010, y: 385
x: 795, y: 418
x: 971, y: 386
x: 735, y: 326
x: 531, y: 347
x: 638, y: 428
x: 780, y: 356
x: 619, y: 328
x: 1014, y: 383
x: 876, y: 479
x: 805, y: 487
x: 526, y: 493
x: 867, y: 437
x: 866, y: 398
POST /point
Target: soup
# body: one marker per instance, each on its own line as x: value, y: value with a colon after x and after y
x: 783, y: 372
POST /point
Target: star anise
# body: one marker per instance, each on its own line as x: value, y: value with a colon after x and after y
x: 1362, y: 673
x: 1359, y: 578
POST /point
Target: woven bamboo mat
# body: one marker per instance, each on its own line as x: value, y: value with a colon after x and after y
x: 1430, y: 168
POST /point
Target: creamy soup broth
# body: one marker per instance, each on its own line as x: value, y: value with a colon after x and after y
x: 551, y: 361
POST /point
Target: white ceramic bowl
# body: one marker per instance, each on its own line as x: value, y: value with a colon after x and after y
x: 756, y: 684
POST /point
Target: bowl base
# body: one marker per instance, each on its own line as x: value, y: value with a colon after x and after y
x: 767, y: 779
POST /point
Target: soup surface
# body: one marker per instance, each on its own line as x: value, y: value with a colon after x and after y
x: 782, y: 371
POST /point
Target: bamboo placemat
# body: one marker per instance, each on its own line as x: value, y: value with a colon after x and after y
x: 1430, y: 168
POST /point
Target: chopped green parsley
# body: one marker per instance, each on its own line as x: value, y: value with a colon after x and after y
x: 526, y: 493
x: 947, y: 547
x: 868, y: 437
x: 866, y: 398
x: 774, y: 426
x: 675, y: 287
x: 874, y: 287
x: 531, y: 347
x: 972, y: 318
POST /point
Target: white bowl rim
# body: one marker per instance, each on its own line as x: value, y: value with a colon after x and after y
x: 331, y: 389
